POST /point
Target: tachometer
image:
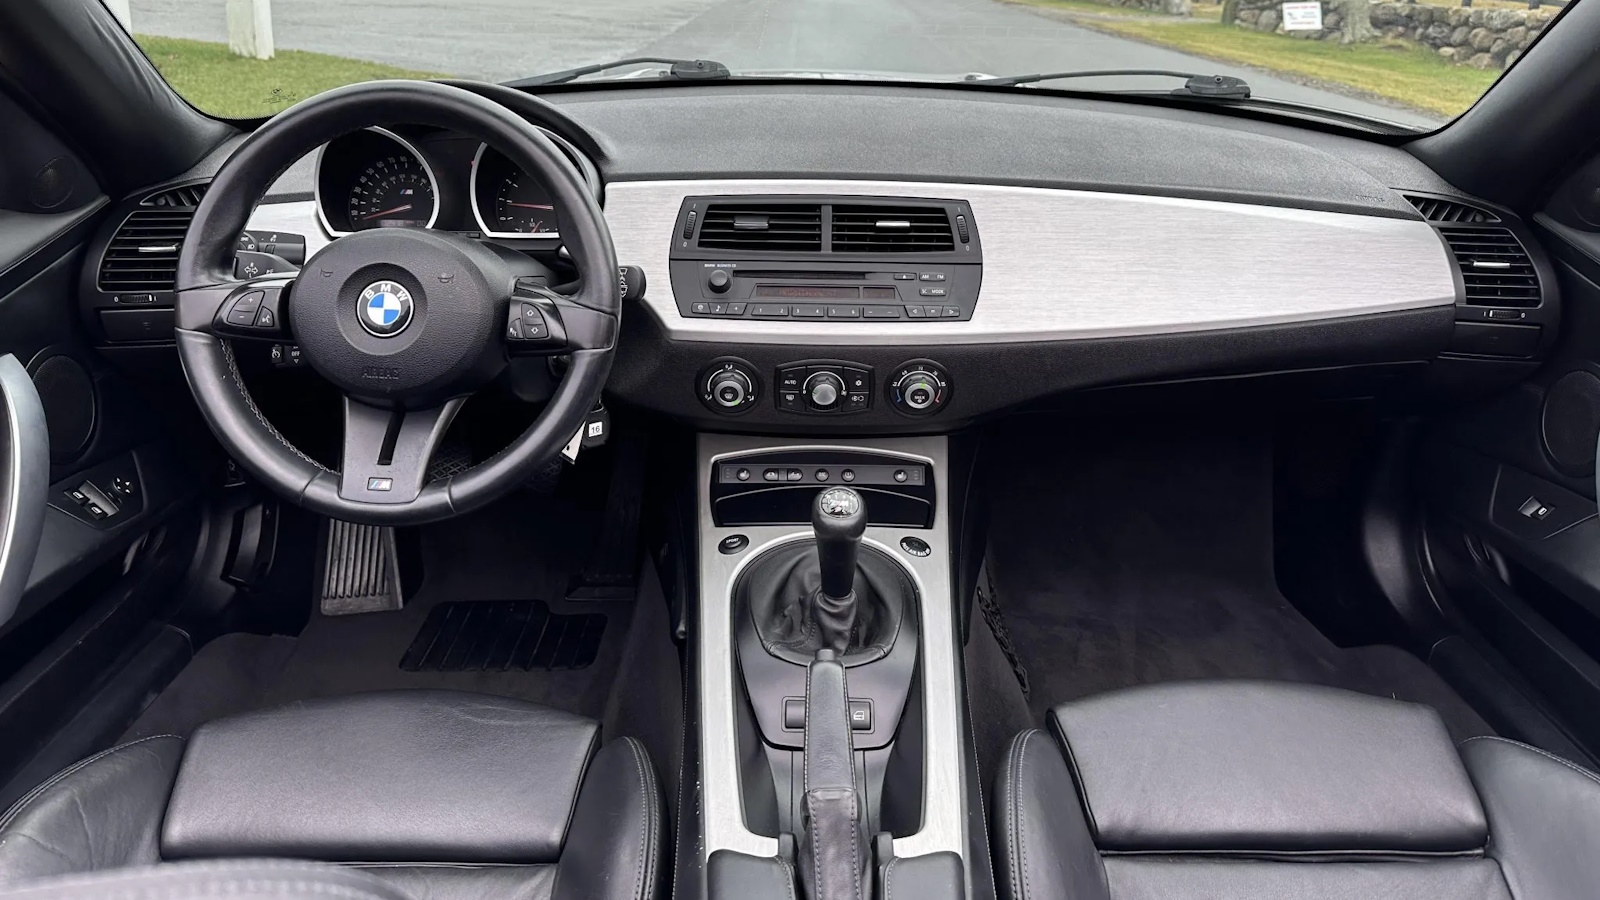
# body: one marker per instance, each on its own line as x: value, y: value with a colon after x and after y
x: 522, y: 206
x: 393, y: 191
x: 509, y: 202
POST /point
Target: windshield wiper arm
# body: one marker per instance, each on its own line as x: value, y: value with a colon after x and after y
x: 685, y: 69
x: 1220, y: 86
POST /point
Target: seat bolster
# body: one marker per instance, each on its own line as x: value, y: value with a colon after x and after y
x: 103, y: 812
x: 234, y: 879
x: 1544, y: 818
x: 614, y: 845
x: 1044, y: 847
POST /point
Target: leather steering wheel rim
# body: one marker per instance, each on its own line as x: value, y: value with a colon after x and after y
x: 204, y: 276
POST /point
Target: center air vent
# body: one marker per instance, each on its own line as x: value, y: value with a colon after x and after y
x: 1439, y: 209
x: 143, y: 255
x: 892, y: 229
x: 1494, y: 266
x: 789, y: 228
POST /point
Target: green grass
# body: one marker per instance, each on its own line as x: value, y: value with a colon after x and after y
x: 1395, y: 70
x: 1090, y: 6
x: 222, y: 84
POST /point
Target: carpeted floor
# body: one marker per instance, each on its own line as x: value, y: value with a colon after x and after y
x: 1123, y: 556
x: 502, y: 553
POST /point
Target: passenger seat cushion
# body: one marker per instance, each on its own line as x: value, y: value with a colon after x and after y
x: 1046, y: 849
x: 1261, y: 767
x: 400, y: 776
x: 250, y: 879
x: 1167, y: 878
x: 101, y: 813
x: 1544, y: 818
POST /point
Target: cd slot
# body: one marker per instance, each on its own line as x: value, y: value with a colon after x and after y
x: 825, y: 292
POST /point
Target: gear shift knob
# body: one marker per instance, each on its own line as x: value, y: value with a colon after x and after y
x: 839, y: 518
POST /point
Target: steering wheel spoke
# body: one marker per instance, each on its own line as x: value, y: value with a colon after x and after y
x: 387, y: 451
x: 542, y: 321
x: 252, y: 310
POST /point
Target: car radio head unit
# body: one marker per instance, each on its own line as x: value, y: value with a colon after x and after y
x: 843, y: 259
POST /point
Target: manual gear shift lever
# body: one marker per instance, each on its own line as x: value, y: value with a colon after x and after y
x: 839, y: 518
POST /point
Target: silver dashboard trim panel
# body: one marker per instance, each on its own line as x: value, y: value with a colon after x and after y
x: 1068, y: 264
x: 944, y: 825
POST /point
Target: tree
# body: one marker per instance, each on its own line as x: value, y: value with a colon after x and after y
x: 1356, y: 28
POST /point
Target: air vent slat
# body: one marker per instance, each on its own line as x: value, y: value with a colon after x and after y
x: 143, y: 254
x: 1438, y: 209
x: 891, y: 229
x: 182, y: 197
x: 1495, y: 268
x: 793, y: 228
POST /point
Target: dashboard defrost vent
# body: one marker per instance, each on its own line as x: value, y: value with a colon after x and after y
x: 790, y: 228
x: 891, y: 229
x: 1438, y: 209
x: 143, y: 254
x: 1496, y: 269
x: 176, y: 198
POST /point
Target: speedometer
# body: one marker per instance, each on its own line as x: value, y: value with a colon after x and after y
x: 393, y: 191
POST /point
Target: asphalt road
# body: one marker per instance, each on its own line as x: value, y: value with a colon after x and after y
x: 503, y: 39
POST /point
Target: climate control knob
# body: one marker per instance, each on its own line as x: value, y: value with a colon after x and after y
x: 920, y: 387
x: 823, y: 390
x: 729, y: 386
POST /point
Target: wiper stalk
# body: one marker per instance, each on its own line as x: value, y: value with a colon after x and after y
x: 1221, y: 87
x: 683, y: 69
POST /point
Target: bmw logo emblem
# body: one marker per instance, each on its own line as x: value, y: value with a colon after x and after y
x: 384, y: 308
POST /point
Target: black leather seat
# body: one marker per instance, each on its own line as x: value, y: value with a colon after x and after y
x: 1292, y: 792
x: 439, y: 794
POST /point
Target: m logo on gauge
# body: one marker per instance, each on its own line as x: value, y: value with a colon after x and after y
x: 384, y: 309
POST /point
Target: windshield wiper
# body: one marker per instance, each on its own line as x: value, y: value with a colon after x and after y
x: 684, y: 69
x: 1225, y: 87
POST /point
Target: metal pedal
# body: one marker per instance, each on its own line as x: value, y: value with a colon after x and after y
x: 360, y: 570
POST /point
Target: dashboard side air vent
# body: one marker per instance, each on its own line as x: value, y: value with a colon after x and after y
x: 1495, y: 268
x: 143, y: 254
x: 891, y: 229
x: 186, y: 197
x: 785, y: 227
x: 1439, y: 209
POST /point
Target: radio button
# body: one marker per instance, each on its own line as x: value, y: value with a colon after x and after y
x: 700, y: 308
x: 880, y: 312
x: 810, y: 312
x: 932, y: 292
x: 932, y: 276
x: 914, y: 312
x: 905, y: 276
x: 952, y: 312
x: 769, y: 311
x: 844, y: 312
x: 735, y: 309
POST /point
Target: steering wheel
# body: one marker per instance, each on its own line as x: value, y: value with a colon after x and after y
x: 406, y: 322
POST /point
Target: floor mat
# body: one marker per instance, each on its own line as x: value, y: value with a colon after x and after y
x: 501, y: 635
x: 1127, y: 556
x: 493, y: 555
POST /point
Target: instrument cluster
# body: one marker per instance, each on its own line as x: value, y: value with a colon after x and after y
x: 428, y: 178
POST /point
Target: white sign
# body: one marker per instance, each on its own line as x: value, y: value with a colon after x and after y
x: 1302, y: 16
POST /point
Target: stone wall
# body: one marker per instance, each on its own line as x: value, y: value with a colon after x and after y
x: 1485, y: 38
x: 1169, y: 7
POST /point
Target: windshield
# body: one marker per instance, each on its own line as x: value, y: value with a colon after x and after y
x: 1416, y: 64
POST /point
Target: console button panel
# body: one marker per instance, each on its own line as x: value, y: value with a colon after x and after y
x: 773, y: 487
x: 104, y: 496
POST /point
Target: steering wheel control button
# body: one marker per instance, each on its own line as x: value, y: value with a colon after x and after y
x: 384, y: 308
x: 916, y: 547
x: 733, y: 543
x: 729, y: 386
x: 920, y: 387
x: 243, y: 310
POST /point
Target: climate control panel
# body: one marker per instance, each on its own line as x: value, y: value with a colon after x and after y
x: 823, y: 387
x: 729, y: 386
x: 920, y: 387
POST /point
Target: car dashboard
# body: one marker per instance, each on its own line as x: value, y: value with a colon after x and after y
x: 826, y: 258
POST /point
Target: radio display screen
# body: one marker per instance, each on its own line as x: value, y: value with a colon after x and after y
x: 808, y: 292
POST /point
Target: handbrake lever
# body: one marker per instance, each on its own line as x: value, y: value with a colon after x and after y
x: 835, y: 858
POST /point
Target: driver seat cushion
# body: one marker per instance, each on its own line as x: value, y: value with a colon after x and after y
x: 1295, y: 792
x: 440, y: 793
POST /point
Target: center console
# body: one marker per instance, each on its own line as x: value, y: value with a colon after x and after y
x: 824, y: 568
